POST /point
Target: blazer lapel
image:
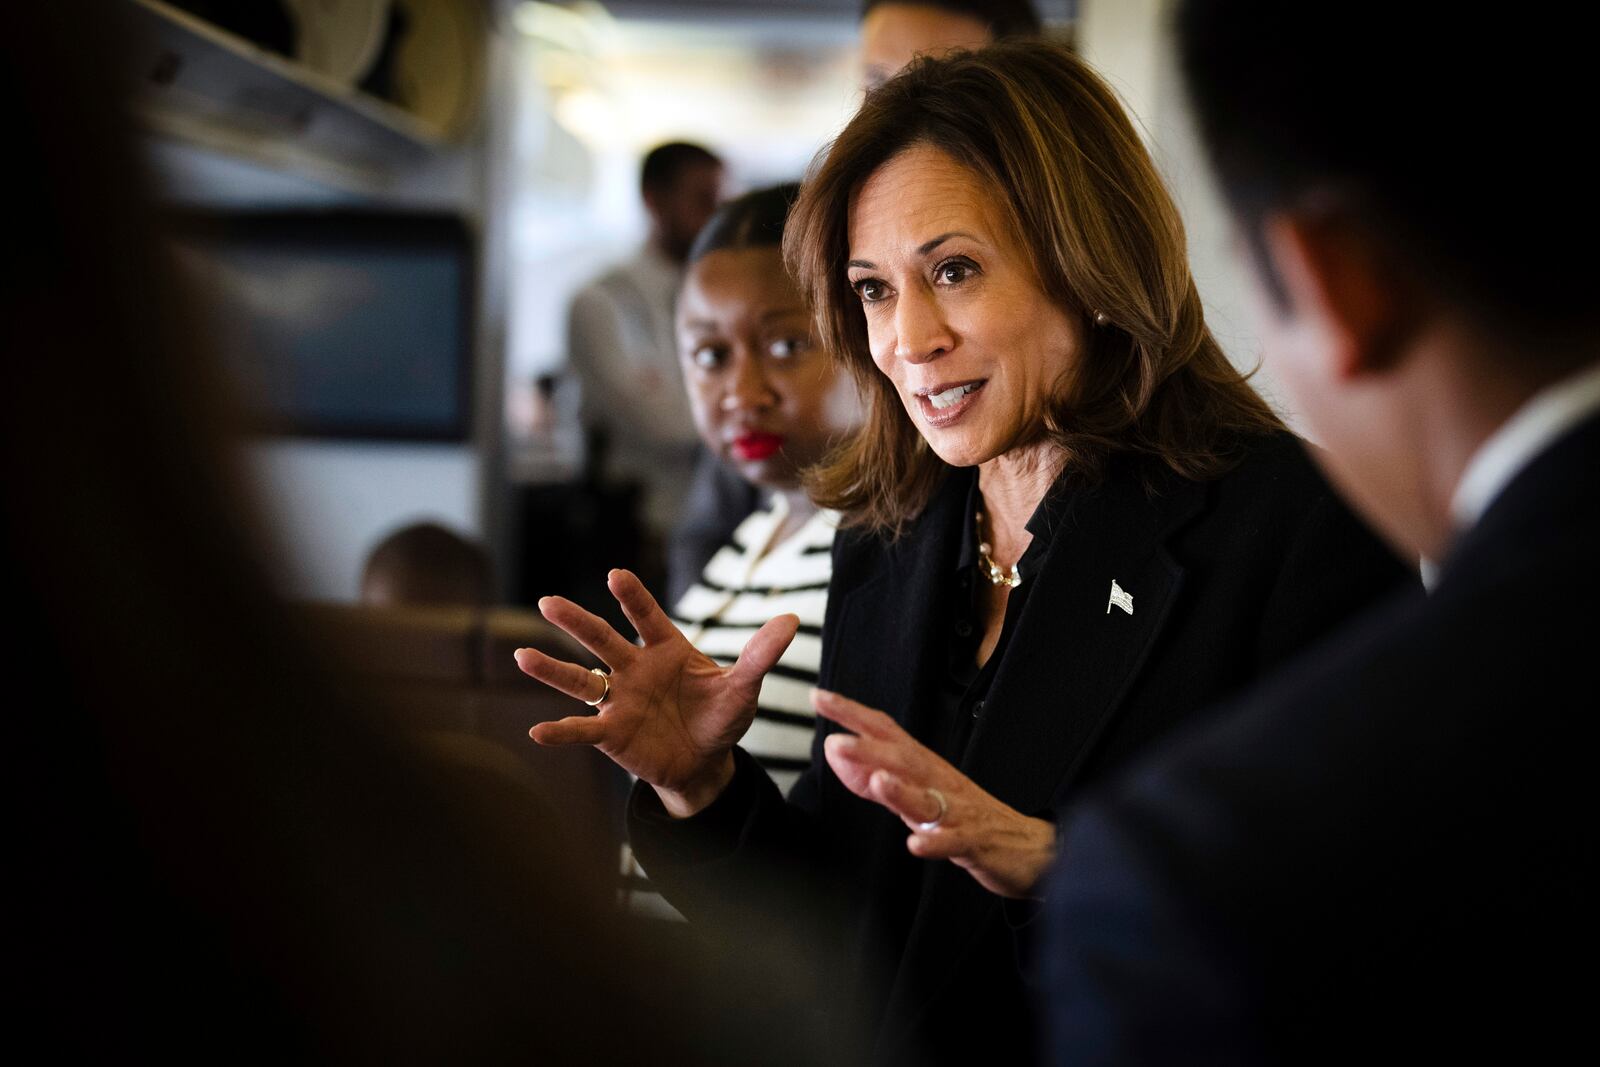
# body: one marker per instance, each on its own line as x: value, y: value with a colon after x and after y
x: 894, y: 613
x: 1073, y: 657
x: 1097, y: 607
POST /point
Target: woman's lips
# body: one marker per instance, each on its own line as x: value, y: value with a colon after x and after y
x: 756, y: 446
x: 945, y: 416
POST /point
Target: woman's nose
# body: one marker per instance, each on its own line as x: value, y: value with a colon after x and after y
x: 746, y: 384
x: 920, y: 330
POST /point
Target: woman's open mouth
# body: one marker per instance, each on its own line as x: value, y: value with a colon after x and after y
x: 944, y: 404
x: 750, y: 447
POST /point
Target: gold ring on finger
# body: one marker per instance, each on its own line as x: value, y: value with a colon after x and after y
x: 605, y: 679
x: 944, y: 809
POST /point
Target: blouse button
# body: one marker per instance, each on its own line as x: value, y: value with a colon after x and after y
x: 963, y: 628
x: 977, y: 709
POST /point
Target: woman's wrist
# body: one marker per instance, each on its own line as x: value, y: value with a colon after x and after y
x: 1041, y: 857
x: 698, y: 794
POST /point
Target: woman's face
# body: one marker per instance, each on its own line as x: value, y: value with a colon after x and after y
x: 766, y: 399
x: 955, y: 317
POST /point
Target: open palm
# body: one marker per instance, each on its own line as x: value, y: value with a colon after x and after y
x: 671, y: 714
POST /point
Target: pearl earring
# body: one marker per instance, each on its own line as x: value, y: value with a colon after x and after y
x: 1101, y: 318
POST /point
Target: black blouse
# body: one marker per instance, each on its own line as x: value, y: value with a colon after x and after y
x: 964, y: 686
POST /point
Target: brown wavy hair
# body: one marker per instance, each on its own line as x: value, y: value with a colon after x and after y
x: 1082, y: 196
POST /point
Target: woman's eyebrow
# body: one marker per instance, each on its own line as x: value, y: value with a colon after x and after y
x: 922, y: 249
x: 928, y: 246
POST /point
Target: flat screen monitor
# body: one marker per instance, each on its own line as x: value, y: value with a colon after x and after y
x: 339, y: 325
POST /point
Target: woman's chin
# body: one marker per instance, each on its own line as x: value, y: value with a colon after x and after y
x: 773, y: 474
x: 958, y: 449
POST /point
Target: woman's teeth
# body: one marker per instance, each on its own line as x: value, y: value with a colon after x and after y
x: 951, y: 395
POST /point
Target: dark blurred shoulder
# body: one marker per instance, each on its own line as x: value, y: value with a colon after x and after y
x: 1275, y: 490
x: 1277, y: 468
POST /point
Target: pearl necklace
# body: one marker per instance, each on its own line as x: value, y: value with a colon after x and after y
x: 995, y: 575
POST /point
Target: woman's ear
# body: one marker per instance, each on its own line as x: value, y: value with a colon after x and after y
x: 1342, y: 289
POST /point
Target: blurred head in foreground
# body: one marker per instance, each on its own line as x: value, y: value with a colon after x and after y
x: 227, y: 850
x: 1420, y: 238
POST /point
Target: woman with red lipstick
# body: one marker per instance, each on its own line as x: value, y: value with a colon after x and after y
x: 769, y: 403
x: 1069, y: 525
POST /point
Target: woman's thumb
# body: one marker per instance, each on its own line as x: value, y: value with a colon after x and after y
x: 762, y: 651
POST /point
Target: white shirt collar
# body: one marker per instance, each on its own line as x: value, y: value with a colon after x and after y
x: 1535, y: 427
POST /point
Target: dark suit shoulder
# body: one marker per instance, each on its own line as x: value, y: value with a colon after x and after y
x: 1369, y: 844
x: 1273, y: 517
x: 1274, y: 476
x: 1270, y: 485
x: 1290, y: 546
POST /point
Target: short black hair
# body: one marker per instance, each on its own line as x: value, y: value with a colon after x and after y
x: 754, y: 220
x: 1455, y: 144
x: 1005, y: 18
x: 426, y: 563
x: 664, y: 162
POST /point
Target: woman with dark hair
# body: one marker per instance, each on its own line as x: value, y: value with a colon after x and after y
x: 1070, y: 525
x: 769, y: 404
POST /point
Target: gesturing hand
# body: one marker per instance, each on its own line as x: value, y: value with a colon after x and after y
x: 671, y: 715
x: 1005, y: 850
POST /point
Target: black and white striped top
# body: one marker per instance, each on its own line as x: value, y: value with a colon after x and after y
x: 748, y: 581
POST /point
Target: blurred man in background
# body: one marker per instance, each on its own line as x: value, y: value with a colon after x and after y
x: 623, y: 348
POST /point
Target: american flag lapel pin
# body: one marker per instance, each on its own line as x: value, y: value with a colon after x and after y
x: 1120, y: 598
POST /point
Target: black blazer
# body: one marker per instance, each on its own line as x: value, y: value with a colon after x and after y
x: 1386, y: 852
x: 1229, y: 578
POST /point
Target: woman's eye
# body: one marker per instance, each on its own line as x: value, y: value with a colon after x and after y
x: 706, y: 356
x: 953, y: 272
x: 869, y: 290
x: 785, y: 347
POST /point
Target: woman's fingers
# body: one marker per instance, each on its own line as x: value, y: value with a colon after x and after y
x: 765, y: 647
x: 904, y: 758
x: 577, y: 682
x: 855, y: 775
x: 914, y: 804
x: 938, y: 845
x: 640, y: 607
x: 855, y: 759
x: 589, y: 630
x: 884, y: 773
x: 917, y: 806
x: 573, y: 730
x: 869, y: 722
